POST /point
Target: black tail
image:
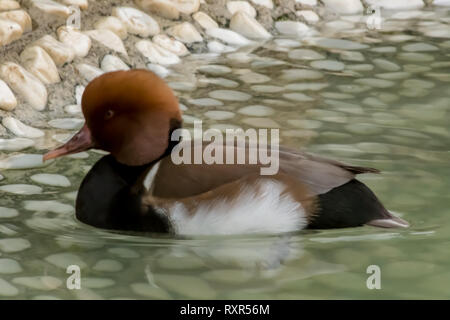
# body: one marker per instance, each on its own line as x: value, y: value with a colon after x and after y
x: 350, y: 205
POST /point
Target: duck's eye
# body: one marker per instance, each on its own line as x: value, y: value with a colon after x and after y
x: 109, y: 114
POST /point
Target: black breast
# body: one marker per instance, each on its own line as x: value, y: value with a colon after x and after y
x: 107, y: 199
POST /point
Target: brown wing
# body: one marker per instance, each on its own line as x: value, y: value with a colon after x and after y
x: 318, y: 175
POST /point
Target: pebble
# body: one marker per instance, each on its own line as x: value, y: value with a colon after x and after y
x: 89, y: 72
x: 20, y: 129
x: 124, y: 253
x: 52, y: 7
x: 8, y: 212
x: 312, y: 86
x: 44, y: 283
x: 360, y: 67
x: 15, y: 144
x: 107, y: 265
x: 169, y: 9
x: 248, y: 26
x: 9, y: 266
x: 183, y: 86
x: 267, y: 88
x: 77, y: 41
x: 156, y: 54
x: 309, y: 15
x: 136, y: 21
x: 6, y: 289
x: 12, y: 245
x: 292, y: 28
x: 330, y: 43
x: 386, y: 65
x: 205, y: 21
x: 219, y: 115
x: 229, y: 95
x: 37, y: 61
x: 112, y: 63
x: 7, y: 99
x: 60, y: 53
x: 113, y: 24
x: 147, y: 291
x: 296, y: 96
x: 49, y: 179
x: 48, y: 206
x: 261, y: 122
x: 300, y: 74
x: 415, y: 57
x: 352, y: 56
x: 158, y: 69
x: 18, y: 16
x: 10, y: 31
x: 63, y: 260
x: 305, y: 124
x: 397, y: 5
x: 187, y: 287
x: 305, y: 54
x: 9, y: 5
x: 257, y: 111
x: 218, y: 47
x: 417, y: 83
x: 330, y: 65
x: 206, y: 102
x: 419, y: 47
x: 170, y: 44
x: 253, y: 77
x: 241, y: 6
x: 228, y: 276
x: 97, y: 283
x: 25, y: 84
x: 185, y: 32
x: 67, y: 123
x: 228, y: 36
x: 376, y: 83
x: 387, y: 49
x: 214, y: 69
x: 344, y: 7
x: 108, y: 39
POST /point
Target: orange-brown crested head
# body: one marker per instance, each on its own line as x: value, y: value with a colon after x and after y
x: 128, y: 113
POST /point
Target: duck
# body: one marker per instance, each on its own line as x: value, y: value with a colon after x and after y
x: 138, y: 187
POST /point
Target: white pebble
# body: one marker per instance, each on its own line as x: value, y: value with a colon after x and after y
x: 241, y: 6
x: 43, y: 283
x: 15, y: 144
x: 309, y: 15
x: 228, y: 36
x: 8, y: 212
x: 109, y: 39
x: 7, y: 99
x: 136, y: 21
x: 9, y: 266
x: 66, y: 123
x: 77, y: 41
x: 248, y: 26
x: 23, y: 161
x: 419, y: 47
x: 229, y: 95
x: 185, y: 32
x: 89, y: 72
x: 63, y: 260
x: 11, y: 245
x: 219, y: 115
x: 113, y: 24
x: 20, y: 129
x: 172, y: 45
x: 330, y: 65
x: 56, y: 180
x: 206, y: 102
x: 25, y: 84
x: 256, y: 111
x: 344, y: 7
x: 205, y: 21
x: 158, y: 69
x: 301, y: 74
x: 292, y: 28
x: 6, y: 289
x: 296, y: 96
x: 112, y: 63
x: 59, y: 52
x: 10, y: 31
x: 52, y: 7
x: 330, y: 43
x: 107, y: 265
x: 156, y: 54
x: 37, y: 61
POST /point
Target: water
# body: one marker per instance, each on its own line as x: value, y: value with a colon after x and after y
x: 389, y: 109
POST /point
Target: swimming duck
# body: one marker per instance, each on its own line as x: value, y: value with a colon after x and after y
x: 138, y: 187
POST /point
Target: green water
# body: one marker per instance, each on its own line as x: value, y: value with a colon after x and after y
x: 401, y: 128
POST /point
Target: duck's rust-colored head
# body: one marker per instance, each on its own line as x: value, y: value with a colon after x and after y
x: 129, y: 114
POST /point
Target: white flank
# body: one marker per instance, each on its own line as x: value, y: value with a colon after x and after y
x: 261, y: 208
